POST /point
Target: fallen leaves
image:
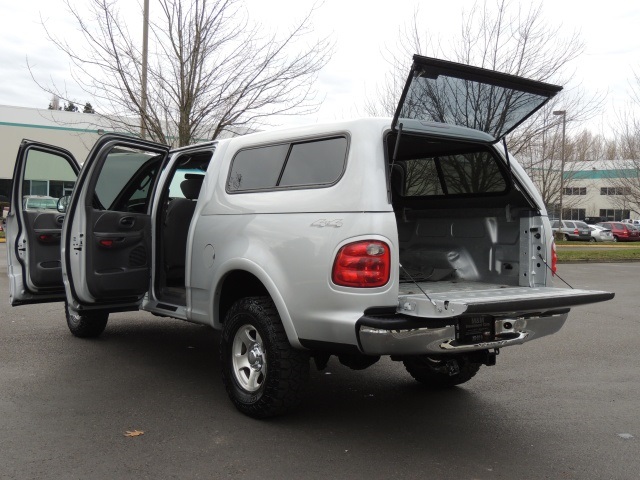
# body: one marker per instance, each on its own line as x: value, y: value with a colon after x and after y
x: 134, y: 433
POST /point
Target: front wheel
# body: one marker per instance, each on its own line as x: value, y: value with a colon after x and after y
x: 262, y: 373
x: 615, y: 239
x: 86, y: 325
x: 441, y: 372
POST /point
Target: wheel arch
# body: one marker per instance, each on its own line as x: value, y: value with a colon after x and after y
x: 248, y: 279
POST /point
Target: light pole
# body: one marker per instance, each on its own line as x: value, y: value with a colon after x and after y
x: 143, y: 80
x: 563, y: 113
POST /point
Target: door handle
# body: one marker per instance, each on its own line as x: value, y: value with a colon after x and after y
x: 60, y: 219
x: 127, y: 222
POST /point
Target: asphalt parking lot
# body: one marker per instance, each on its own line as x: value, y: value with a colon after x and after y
x: 564, y: 407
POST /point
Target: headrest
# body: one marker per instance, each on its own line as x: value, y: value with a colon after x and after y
x: 191, y: 185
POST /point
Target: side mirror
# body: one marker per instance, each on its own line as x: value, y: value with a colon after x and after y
x: 63, y: 203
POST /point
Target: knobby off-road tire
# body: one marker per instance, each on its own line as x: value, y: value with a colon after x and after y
x: 86, y: 325
x: 262, y: 373
x: 440, y: 372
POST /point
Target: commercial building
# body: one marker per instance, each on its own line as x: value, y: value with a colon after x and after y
x: 74, y: 131
x: 601, y: 188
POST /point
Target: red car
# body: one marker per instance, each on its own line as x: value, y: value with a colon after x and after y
x: 622, y: 232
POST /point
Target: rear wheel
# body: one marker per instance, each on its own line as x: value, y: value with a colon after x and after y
x: 262, y: 373
x: 441, y: 372
x: 592, y: 240
x: 615, y: 239
x: 86, y: 325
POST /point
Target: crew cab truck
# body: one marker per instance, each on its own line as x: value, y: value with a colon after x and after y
x: 415, y: 237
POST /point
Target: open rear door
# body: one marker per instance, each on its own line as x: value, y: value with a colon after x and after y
x: 42, y: 176
x: 457, y: 94
x: 107, y: 238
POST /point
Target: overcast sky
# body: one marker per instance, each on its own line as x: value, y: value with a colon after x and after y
x: 360, y: 28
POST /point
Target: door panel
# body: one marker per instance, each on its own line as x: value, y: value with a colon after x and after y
x: 42, y: 175
x: 43, y: 231
x: 119, y: 254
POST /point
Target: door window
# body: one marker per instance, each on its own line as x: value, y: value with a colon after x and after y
x: 44, y: 173
x: 125, y: 180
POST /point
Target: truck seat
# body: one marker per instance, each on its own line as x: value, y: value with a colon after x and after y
x: 176, y: 228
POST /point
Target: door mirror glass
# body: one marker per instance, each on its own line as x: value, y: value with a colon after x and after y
x: 63, y: 203
x: 47, y: 178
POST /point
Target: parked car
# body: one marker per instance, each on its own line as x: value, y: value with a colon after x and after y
x: 600, y: 234
x: 39, y: 202
x: 573, y: 230
x: 637, y: 229
x: 445, y: 258
x: 622, y: 232
x: 594, y: 220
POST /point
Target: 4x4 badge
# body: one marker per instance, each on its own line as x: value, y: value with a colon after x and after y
x: 327, y: 223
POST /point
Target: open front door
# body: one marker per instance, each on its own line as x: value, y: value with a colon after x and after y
x: 457, y: 94
x: 42, y: 176
x: 107, y: 238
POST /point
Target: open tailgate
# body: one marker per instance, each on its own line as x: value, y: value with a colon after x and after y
x: 450, y: 299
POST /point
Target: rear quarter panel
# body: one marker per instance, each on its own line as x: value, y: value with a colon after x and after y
x: 293, y: 260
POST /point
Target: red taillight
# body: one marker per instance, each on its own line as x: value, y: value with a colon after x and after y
x: 365, y: 264
x: 554, y: 259
x: 576, y: 232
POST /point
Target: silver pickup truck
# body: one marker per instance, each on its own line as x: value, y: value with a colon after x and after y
x: 415, y: 237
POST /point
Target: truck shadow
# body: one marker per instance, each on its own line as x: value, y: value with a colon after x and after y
x: 164, y: 376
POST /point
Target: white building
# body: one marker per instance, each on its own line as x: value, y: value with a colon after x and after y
x: 74, y: 131
x: 593, y: 189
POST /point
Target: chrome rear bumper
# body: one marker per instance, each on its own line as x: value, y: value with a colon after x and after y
x: 377, y: 340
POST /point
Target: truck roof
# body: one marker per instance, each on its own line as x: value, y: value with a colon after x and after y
x: 376, y: 126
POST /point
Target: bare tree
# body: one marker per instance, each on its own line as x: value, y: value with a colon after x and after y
x: 210, y: 69
x: 506, y: 37
x: 625, y: 176
x: 624, y: 153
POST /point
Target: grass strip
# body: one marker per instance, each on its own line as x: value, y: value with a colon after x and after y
x: 609, y: 255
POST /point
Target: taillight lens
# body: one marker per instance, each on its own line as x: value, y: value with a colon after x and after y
x: 554, y: 259
x: 365, y: 264
x: 576, y: 232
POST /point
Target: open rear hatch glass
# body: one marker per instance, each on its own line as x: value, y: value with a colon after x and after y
x: 457, y: 94
x: 450, y: 299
